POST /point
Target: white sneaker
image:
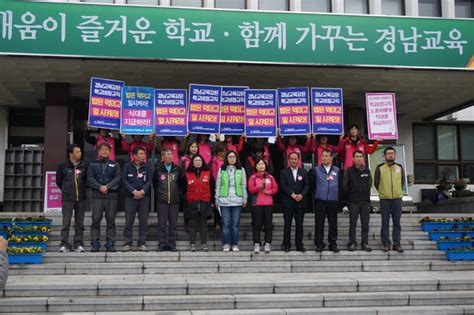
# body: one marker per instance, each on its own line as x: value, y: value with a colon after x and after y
x: 79, y: 249
x: 256, y: 248
x: 235, y: 249
x: 268, y: 248
x: 226, y: 248
x: 63, y: 249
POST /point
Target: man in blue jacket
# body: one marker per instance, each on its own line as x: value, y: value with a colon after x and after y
x: 326, y: 180
x: 103, y: 177
x: 137, y: 178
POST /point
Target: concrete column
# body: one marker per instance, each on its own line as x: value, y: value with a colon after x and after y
x: 375, y: 7
x: 209, y: 4
x: 295, y: 5
x: 56, y: 124
x: 337, y: 6
x: 3, y: 147
x: 448, y: 10
x: 411, y: 7
x: 252, y: 4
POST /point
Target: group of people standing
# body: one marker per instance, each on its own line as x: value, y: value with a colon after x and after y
x: 211, y: 180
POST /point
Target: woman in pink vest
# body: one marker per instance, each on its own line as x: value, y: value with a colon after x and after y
x: 138, y: 142
x: 293, y: 146
x: 205, y: 148
x: 191, y: 149
x: 352, y: 143
x: 104, y: 136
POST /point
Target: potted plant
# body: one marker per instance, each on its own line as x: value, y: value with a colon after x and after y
x: 25, y: 230
x: 28, y: 241
x: 460, y: 190
x: 6, y: 222
x: 429, y: 224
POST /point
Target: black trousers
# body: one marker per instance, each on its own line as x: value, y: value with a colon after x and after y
x: 262, y: 216
x: 132, y: 207
x: 357, y: 209
x: 79, y: 208
x: 325, y: 209
x: 297, y: 212
x: 198, y: 224
x: 167, y: 223
x: 99, y: 206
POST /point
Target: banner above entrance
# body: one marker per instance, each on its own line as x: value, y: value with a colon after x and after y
x: 132, y: 32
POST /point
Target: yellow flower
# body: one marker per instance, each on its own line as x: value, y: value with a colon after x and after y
x: 44, y: 229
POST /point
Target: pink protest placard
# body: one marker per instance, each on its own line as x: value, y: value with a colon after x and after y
x: 52, y: 194
x: 381, y: 115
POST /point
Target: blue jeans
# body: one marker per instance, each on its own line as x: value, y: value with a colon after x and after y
x: 230, y: 225
x: 393, y: 208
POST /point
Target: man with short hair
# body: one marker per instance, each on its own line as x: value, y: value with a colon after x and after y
x: 136, y: 178
x: 326, y: 180
x: 167, y: 182
x: 103, y: 177
x: 389, y: 179
x: 71, y: 179
x: 356, y: 185
x: 294, y: 184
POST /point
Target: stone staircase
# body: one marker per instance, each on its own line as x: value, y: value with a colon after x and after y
x: 419, y: 281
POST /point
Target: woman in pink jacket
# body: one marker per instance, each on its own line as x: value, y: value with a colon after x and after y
x: 262, y: 187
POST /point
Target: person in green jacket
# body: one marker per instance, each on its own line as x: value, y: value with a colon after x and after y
x: 389, y: 180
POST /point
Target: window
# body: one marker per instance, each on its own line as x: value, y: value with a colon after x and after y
x: 316, y: 5
x: 464, y: 8
x: 231, y: 4
x: 424, y: 142
x: 447, y: 143
x: 443, y: 150
x: 273, y: 5
x: 393, y: 7
x: 467, y: 142
x: 356, y: 6
x: 429, y: 8
x: 149, y: 2
x: 186, y: 3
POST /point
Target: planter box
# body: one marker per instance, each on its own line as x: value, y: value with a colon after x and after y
x: 2, y: 224
x: 445, y: 245
x: 4, y: 235
x: 30, y: 233
x: 452, y: 205
x: 28, y: 223
x: 461, y: 225
x: 28, y: 244
x: 429, y: 226
x: 25, y: 258
x: 471, y: 233
x: 452, y: 255
x: 435, y: 235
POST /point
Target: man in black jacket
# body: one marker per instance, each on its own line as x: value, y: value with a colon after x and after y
x: 356, y: 184
x: 71, y: 178
x: 136, y: 178
x: 167, y: 182
x: 103, y: 177
x: 294, y: 184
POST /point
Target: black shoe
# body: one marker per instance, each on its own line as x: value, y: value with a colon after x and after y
x: 386, y: 248
x: 172, y: 248
x: 110, y: 249
x: 319, y: 248
x: 398, y: 248
x: 351, y: 247
x: 366, y: 248
x: 301, y: 248
x: 161, y: 248
x: 334, y: 249
x: 95, y: 248
x: 286, y: 248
